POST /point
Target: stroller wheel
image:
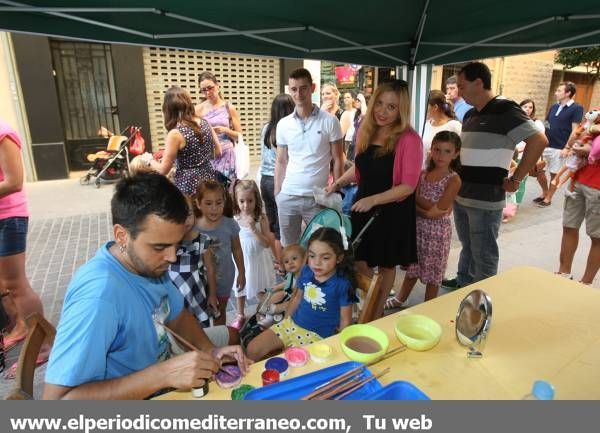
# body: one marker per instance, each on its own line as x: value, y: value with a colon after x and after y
x: 85, y: 180
x: 97, y: 183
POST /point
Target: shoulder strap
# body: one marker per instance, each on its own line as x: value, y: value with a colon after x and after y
x: 229, y: 114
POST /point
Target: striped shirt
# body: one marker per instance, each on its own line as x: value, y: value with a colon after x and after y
x: 489, y: 138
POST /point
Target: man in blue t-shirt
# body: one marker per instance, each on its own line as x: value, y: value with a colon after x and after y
x: 460, y: 106
x: 561, y: 122
x: 111, y: 342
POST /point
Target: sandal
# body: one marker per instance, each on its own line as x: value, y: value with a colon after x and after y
x: 11, y: 342
x: 393, y: 303
x: 11, y: 373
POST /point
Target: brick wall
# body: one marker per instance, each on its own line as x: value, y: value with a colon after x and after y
x: 595, y: 103
x: 528, y: 76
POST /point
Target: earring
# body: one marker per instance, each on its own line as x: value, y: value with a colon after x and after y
x: 122, y: 249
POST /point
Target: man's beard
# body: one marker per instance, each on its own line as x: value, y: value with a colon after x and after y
x: 139, y: 266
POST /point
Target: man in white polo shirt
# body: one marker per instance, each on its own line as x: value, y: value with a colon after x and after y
x: 307, y: 141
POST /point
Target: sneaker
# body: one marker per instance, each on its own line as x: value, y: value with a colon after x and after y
x: 538, y: 199
x: 238, y: 322
x: 570, y: 194
x: 451, y: 284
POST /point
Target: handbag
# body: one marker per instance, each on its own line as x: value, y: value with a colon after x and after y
x: 138, y: 144
x: 242, y: 158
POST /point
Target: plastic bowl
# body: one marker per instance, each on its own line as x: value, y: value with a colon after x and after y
x: 364, y: 331
x: 418, y: 332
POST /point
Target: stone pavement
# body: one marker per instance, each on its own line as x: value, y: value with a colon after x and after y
x: 70, y: 221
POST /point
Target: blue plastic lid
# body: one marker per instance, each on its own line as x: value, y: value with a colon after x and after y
x: 542, y: 390
x: 277, y: 363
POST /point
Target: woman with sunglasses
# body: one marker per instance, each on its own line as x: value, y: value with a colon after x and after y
x: 389, y: 155
x: 224, y: 119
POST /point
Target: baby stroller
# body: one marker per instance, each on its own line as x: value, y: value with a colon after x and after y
x: 113, y: 163
x: 274, y: 300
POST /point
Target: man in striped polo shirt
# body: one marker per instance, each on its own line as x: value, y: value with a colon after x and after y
x: 490, y: 132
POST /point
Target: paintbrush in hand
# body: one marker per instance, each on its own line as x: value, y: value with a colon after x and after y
x: 187, y: 344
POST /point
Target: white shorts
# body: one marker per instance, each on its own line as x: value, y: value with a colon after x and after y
x: 553, y: 159
x: 218, y: 335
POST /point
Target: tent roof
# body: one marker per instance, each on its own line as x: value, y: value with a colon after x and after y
x: 371, y: 32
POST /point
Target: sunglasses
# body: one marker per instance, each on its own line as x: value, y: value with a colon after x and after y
x: 207, y: 89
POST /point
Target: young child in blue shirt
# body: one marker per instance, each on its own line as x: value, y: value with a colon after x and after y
x: 322, y: 303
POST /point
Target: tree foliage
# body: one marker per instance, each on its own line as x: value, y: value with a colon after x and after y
x: 588, y: 57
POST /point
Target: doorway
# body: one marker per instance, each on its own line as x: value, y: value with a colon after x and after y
x: 84, y: 79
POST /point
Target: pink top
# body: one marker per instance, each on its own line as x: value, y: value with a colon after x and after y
x: 408, y: 159
x: 15, y: 204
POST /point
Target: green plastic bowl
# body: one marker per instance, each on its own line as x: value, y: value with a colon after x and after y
x: 418, y: 332
x: 364, y: 331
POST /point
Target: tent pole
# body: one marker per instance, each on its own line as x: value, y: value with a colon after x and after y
x: 418, y: 34
x: 356, y: 44
x: 230, y: 33
x: 359, y: 47
x: 510, y: 32
x: 228, y: 29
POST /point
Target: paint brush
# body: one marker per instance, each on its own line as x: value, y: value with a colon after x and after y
x: 389, y: 354
x: 360, y: 384
x: 333, y: 382
x: 187, y: 343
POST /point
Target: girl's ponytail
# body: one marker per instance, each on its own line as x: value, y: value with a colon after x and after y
x: 346, y: 269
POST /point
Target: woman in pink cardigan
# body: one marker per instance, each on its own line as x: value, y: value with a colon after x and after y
x: 387, y: 167
x: 17, y: 294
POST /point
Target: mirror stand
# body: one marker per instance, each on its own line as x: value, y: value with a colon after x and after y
x: 473, y: 322
x: 475, y: 351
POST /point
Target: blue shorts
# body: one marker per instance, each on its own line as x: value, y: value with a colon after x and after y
x: 13, y: 236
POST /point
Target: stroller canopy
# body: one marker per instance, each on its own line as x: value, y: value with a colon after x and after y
x: 327, y: 218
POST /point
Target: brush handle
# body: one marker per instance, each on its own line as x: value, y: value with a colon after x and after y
x: 333, y: 382
x: 360, y: 384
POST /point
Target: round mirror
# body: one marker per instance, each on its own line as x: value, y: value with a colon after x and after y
x: 473, y: 321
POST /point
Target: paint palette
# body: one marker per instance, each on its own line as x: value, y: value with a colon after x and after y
x: 298, y: 387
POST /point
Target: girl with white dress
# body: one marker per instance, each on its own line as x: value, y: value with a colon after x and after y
x: 255, y: 239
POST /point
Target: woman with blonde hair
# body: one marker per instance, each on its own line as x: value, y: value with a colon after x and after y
x: 388, y: 163
x: 330, y: 97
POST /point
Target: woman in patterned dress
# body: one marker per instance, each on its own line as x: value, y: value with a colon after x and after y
x: 437, y: 189
x: 225, y: 120
x: 190, y: 143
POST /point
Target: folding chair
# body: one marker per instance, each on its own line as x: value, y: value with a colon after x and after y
x: 369, y: 296
x: 40, y: 330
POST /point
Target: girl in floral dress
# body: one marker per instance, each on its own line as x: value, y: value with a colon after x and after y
x: 437, y: 189
x: 322, y: 303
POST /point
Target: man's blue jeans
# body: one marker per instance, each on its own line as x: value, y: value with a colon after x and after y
x: 477, y: 231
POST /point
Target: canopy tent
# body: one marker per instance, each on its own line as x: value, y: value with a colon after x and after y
x: 371, y: 32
